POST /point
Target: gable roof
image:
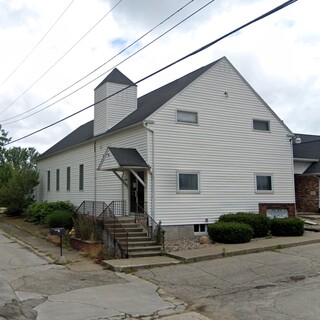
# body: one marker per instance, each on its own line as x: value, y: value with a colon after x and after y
x: 309, y: 148
x: 146, y: 105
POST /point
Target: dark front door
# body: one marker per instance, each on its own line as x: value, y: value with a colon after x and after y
x: 136, y: 193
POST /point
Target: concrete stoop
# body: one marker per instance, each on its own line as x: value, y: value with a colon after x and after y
x: 133, y: 264
x: 139, y: 243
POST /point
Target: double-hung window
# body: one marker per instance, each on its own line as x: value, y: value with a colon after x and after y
x: 187, y: 117
x: 188, y: 182
x: 263, y: 183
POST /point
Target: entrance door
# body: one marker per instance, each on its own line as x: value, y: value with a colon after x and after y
x: 136, y: 193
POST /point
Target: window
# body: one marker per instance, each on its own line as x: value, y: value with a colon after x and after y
x: 58, y: 179
x: 188, y: 181
x: 187, y: 117
x: 81, y: 173
x: 261, y: 125
x: 264, y: 183
x: 48, y: 181
x: 68, y: 178
x: 200, y: 229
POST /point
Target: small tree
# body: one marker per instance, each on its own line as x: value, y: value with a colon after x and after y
x: 18, y: 175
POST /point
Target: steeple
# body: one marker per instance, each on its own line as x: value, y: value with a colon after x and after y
x: 109, y: 112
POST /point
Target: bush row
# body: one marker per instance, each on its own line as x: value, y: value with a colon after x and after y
x: 52, y: 214
x: 233, y: 228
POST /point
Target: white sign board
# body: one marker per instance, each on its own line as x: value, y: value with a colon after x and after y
x: 277, y: 213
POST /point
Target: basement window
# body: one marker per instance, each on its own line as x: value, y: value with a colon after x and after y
x: 199, y: 229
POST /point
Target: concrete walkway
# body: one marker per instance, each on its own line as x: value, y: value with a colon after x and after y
x: 215, y: 251
x: 77, y: 262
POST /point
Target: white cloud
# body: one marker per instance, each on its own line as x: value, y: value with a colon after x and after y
x: 279, y: 56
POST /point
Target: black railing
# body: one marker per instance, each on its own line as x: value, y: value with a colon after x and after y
x: 92, y: 208
x: 148, y: 223
x: 117, y: 232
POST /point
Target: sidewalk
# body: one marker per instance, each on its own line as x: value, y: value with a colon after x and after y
x: 216, y: 251
x: 77, y: 262
x: 74, y: 259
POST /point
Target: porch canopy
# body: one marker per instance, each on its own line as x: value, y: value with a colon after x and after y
x: 123, y: 159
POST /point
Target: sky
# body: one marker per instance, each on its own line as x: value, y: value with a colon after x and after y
x: 47, y: 46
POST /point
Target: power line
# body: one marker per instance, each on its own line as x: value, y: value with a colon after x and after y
x: 36, y: 46
x: 276, y: 9
x: 99, y: 67
x: 52, y: 66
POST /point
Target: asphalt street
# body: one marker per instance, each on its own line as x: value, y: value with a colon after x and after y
x: 283, y: 285
x: 34, y: 288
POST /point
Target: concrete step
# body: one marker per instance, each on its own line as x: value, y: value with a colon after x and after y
x: 144, y: 248
x: 140, y: 254
x: 134, y: 239
x: 123, y: 235
x: 122, y: 229
x: 141, y: 243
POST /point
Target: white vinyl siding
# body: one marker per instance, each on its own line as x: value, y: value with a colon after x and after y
x: 108, y: 187
x: 110, y: 111
x: 224, y: 149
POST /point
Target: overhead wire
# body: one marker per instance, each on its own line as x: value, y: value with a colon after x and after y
x: 99, y: 67
x: 274, y: 10
x: 36, y: 46
x: 52, y: 66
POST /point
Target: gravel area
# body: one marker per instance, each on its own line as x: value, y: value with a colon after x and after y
x: 185, y: 244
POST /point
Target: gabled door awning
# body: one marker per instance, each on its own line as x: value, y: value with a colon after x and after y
x: 120, y: 159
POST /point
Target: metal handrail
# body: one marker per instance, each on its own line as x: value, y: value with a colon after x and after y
x: 153, y: 228
x: 116, y: 226
x: 92, y: 208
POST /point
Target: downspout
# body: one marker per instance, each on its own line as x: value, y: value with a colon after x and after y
x: 153, y: 189
x: 95, y: 172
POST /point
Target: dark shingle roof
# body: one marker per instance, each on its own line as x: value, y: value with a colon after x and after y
x: 116, y: 77
x: 128, y: 157
x: 309, y: 148
x: 147, y: 105
x: 78, y: 136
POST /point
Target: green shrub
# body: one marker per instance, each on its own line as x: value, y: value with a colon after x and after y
x: 37, y: 211
x: 230, y: 232
x: 287, y: 227
x: 260, y: 224
x: 59, y: 219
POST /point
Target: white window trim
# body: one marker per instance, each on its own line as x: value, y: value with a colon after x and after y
x: 260, y: 119
x: 201, y: 233
x: 186, y: 122
x: 188, y: 172
x: 255, y: 183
